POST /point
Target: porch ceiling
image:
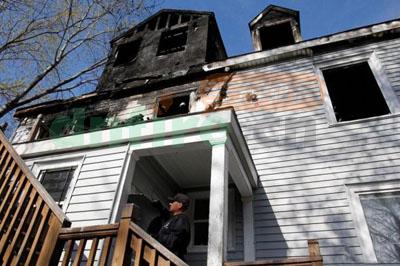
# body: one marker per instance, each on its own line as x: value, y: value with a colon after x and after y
x: 187, y: 168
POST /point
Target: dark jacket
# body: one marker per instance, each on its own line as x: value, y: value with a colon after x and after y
x: 175, y: 234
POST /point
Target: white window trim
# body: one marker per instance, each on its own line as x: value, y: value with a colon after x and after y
x: 231, y: 222
x: 354, y: 191
x: 43, y: 165
x: 377, y: 70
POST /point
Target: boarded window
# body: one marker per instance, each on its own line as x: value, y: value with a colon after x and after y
x: 354, y: 92
x: 56, y: 183
x: 173, y: 105
x: 173, y: 41
x: 127, y: 52
x: 276, y: 36
x: 382, y: 213
x: 200, y: 222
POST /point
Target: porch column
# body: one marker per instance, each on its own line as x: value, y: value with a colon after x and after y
x: 218, y: 216
x: 248, y: 229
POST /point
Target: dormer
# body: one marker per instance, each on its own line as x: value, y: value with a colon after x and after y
x: 169, y: 44
x: 275, y: 27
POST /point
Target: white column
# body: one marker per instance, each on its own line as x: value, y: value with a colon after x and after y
x: 248, y: 229
x: 218, y: 216
x: 124, y: 185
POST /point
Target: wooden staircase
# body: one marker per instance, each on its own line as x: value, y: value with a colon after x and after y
x: 35, y: 231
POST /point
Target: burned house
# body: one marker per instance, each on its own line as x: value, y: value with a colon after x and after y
x: 296, y: 140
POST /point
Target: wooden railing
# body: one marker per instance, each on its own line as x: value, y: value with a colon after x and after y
x: 313, y: 259
x: 30, y: 220
x: 132, y: 245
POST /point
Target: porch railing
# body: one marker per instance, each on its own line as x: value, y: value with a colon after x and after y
x: 313, y: 259
x: 131, y: 245
x: 30, y: 220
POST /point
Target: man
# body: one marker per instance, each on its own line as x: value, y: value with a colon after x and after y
x: 175, y: 233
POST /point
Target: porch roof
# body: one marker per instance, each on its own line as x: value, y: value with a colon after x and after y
x: 205, y: 127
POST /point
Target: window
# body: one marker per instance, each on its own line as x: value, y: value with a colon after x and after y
x: 382, y: 213
x: 276, y: 36
x: 354, y: 87
x: 57, y: 182
x: 173, y: 105
x: 198, y: 212
x: 200, y: 221
x: 173, y: 41
x: 354, y: 92
x: 58, y: 176
x: 376, y: 212
x: 127, y: 52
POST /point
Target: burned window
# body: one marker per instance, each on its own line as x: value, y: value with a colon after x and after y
x: 174, y: 19
x: 173, y: 105
x: 276, y: 36
x: 162, y: 23
x: 173, y: 41
x: 127, y: 52
x: 354, y: 92
x: 56, y: 182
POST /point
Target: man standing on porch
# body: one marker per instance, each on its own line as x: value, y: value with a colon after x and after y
x: 175, y: 233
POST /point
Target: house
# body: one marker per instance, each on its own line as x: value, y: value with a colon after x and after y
x: 296, y: 140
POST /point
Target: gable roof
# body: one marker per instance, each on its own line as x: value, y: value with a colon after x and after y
x: 273, y: 8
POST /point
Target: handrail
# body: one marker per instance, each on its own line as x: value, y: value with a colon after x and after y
x: 129, y: 241
x: 30, y: 220
x: 33, y: 180
x: 314, y: 259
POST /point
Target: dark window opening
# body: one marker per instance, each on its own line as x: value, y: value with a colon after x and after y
x: 185, y: 18
x: 173, y: 106
x: 276, y: 36
x: 173, y: 20
x: 152, y: 24
x: 354, y: 92
x: 173, y: 41
x: 141, y: 28
x: 163, y: 21
x: 56, y: 183
x: 127, y: 52
x: 200, y: 221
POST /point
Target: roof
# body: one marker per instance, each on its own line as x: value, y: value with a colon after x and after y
x: 270, y: 8
x: 162, y: 11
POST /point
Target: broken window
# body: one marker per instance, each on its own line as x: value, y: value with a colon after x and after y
x: 276, y: 36
x: 354, y: 92
x: 162, y: 23
x: 127, y: 52
x: 56, y: 183
x: 173, y: 41
x: 174, y: 19
x: 173, y: 105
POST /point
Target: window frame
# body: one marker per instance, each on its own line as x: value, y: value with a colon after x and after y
x: 171, y: 95
x: 377, y: 70
x: 40, y: 167
x: 231, y: 220
x: 354, y: 191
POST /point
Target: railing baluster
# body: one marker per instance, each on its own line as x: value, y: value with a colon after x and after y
x: 79, y: 253
x: 68, y: 252
x: 137, y: 246
x: 106, y: 251
x: 93, y: 250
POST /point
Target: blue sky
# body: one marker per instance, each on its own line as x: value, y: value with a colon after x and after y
x: 317, y: 17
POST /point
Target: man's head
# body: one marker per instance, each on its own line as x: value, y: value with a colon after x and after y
x: 179, y: 203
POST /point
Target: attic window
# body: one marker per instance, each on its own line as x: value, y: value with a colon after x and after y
x: 276, y: 36
x: 127, y: 52
x: 354, y: 92
x: 173, y: 41
x: 173, y: 105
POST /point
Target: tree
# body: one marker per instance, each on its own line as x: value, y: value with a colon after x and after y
x: 52, y: 49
